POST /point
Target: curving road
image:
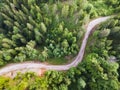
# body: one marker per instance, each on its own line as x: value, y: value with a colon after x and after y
x: 11, y: 70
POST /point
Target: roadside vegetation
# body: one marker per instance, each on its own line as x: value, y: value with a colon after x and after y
x: 46, y: 30
x: 107, y: 43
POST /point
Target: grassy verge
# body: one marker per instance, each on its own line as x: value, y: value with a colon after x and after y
x: 57, y: 61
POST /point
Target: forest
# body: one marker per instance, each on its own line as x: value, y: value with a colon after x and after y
x: 42, y: 30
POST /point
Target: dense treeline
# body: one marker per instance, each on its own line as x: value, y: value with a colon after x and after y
x: 103, y: 7
x: 52, y: 80
x: 107, y: 40
x: 113, y: 34
x: 33, y: 29
x: 95, y: 73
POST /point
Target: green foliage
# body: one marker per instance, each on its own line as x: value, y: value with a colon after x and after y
x: 102, y: 7
x: 112, y: 39
x: 96, y: 74
x: 29, y: 24
x: 56, y: 27
x: 52, y: 24
x: 29, y: 81
x: 57, y: 80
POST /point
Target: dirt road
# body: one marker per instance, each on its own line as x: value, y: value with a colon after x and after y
x: 12, y: 69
